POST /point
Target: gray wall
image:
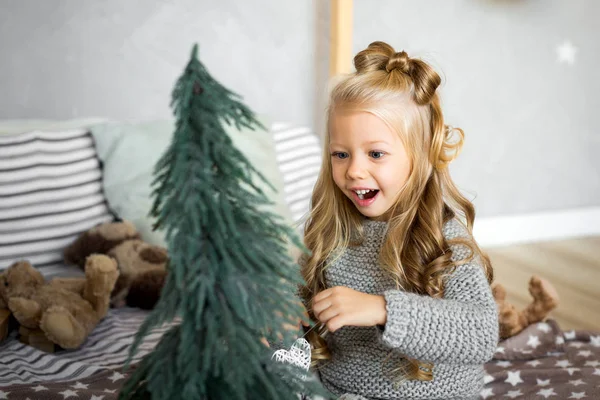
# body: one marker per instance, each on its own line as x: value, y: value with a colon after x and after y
x: 120, y: 58
x: 531, y: 138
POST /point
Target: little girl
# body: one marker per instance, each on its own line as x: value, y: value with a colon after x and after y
x: 398, y: 287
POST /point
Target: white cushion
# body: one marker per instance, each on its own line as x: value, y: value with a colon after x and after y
x: 50, y: 192
x: 299, y: 156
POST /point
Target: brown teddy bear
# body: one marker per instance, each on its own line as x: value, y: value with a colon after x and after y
x: 512, y: 321
x: 5, y: 320
x: 142, y: 266
x: 65, y: 310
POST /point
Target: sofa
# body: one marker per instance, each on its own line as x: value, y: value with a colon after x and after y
x: 58, y: 179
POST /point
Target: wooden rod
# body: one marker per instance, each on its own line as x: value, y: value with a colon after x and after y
x: 340, y: 51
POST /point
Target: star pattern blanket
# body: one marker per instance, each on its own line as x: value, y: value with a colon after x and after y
x: 103, y: 385
x: 542, y: 362
x: 97, y: 362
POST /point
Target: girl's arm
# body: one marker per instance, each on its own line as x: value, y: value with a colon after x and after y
x: 461, y: 328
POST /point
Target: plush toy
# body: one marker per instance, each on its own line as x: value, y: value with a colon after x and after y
x: 4, y: 320
x: 99, y: 240
x: 142, y: 266
x: 512, y: 321
x: 65, y: 310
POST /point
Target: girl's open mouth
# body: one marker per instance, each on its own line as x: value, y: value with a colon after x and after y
x: 367, y: 198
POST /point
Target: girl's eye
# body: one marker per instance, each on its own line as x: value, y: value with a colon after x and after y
x: 338, y: 153
x: 381, y: 153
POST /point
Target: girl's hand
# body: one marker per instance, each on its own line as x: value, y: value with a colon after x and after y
x: 341, y: 306
x: 289, y: 327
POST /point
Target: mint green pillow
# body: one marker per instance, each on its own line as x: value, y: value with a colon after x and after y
x: 129, y: 152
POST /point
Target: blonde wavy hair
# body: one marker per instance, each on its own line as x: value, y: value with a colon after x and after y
x: 402, y: 92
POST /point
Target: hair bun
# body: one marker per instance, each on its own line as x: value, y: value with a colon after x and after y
x: 399, y: 61
x: 380, y: 56
x: 374, y: 58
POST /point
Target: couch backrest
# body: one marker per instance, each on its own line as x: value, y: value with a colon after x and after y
x: 50, y: 192
x: 298, y: 152
x: 57, y: 183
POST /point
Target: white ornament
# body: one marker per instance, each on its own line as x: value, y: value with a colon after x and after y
x: 299, y: 354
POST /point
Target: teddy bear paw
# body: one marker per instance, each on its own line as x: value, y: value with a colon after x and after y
x: 101, y: 273
x: 62, y: 328
x: 99, y: 264
x: 543, y: 292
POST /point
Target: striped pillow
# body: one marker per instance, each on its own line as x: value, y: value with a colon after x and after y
x: 299, y: 157
x: 50, y: 192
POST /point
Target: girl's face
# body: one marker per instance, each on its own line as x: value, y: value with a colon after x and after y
x: 367, y: 154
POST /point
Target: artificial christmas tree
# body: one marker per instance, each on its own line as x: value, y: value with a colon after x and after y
x: 231, y: 280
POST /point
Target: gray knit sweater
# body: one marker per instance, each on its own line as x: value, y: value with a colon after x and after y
x: 458, y: 333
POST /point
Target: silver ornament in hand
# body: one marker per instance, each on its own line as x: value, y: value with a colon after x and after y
x: 299, y: 354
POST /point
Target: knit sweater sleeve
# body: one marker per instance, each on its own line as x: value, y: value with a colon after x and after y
x: 461, y: 328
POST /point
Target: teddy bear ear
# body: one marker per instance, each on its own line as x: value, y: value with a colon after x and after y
x: 24, y: 273
x: 154, y: 254
x: 99, y: 239
x: 498, y: 292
